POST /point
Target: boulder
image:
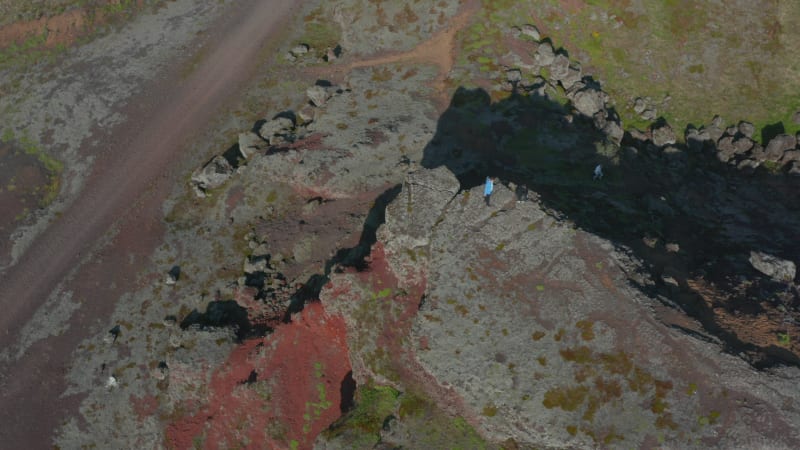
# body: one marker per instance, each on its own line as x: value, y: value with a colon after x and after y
x: 696, y: 140
x: 725, y: 149
x: 639, y: 105
x: 318, y: 95
x: 746, y: 129
x: 613, y: 131
x: 794, y: 169
x: 299, y: 50
x: 559, y: 69
x: 589, y: 101
x: 714, y: 132
x: 212, y: 175
x: 790, y: 155
x: 513, y: 75
x: 572, y: 78
x: 649, y: 114
x: 742, y: 145
x: 276, y: 130
x: 249, y: 143
x: 748, y: 165
x: 531, y: 31
x: 796, y: 118
x: 173, y: 276
x: 663, y: 135
x: 544, y: 55
x: 778, y: 145
x: 776, y: 268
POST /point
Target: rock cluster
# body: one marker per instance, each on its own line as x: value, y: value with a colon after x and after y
x: 552, y: 68
x: 735, y: 145
x: 284, y: 128
x: 304, y: 51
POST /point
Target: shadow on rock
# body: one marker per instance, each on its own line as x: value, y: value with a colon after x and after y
x: 694, y: 221
x: 353, y: 257
x: 220, y: 314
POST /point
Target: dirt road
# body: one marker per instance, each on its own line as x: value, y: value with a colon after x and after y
x: 116, y: 222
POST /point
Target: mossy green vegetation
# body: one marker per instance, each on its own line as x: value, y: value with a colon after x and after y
x: 377, y: 407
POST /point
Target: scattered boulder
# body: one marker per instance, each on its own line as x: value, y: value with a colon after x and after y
x: 663, y: 135
x: 639, y: 105
x: 172, y: 276
x: 794, y: 169
x: 332, y: 54
x: 111, y: 382
x: 212, y: 175
x: 743, y: 145
x: 746, y: 129
x: 531, y: 31
x: 277, y: 130
x: 748, y: 165
x: 589, y: 101
x: 318, y: 95
x: 161, y: 371
x: 249, y: 143
x: 613, y: 131
x: 796, y: 118
x: 778, y: 145
x: 649, y: 114
x: 773, y: 267
x: 513, y: 75
x: 572, y: 78
x: 544, y: 54
x: 253, y: 264
x: 725, y: 149
x: 559, y: 69
x: 789, y: 156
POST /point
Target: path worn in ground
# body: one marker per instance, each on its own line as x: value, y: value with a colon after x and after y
x: 117, y: 218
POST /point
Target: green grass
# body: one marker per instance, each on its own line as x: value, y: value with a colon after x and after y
x: 659, y: 49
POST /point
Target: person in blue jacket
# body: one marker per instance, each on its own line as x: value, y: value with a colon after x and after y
x: 487, y: 190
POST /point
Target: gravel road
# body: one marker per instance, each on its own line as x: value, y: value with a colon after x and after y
x: 116, y: 216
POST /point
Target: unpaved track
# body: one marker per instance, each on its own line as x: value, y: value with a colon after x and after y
x: 123, y: 194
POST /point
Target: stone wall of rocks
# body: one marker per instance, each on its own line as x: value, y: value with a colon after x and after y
x: 732, y: 144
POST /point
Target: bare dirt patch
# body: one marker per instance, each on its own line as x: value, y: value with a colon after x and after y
x: 23, y: 187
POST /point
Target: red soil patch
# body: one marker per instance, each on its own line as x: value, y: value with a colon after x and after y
x: 397, y: 311
x: 274, y: 390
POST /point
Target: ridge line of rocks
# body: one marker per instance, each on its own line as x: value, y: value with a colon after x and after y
x: 733, y: 145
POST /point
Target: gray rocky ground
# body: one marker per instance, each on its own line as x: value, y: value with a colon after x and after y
x: 329, y: 275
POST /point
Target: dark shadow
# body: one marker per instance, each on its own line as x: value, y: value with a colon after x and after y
x: 175, y: 273
x: 257, y: 126
x: 233, y: 156
x: 347, y: 390
x: 220, y: 314
x: 770, y: 131
x: 288, y: 114
x: 710, y: 213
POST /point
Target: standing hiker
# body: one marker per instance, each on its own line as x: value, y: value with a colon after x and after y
x: 487, y: 190
x: 598, y: 172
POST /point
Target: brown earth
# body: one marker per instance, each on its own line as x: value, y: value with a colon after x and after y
x: 60, y: 29
x: 116, y: 222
